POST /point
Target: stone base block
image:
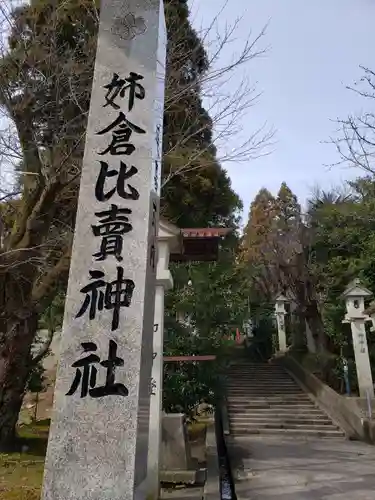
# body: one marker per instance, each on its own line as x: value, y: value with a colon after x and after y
x: 183, y: 476
x: 175, y: 450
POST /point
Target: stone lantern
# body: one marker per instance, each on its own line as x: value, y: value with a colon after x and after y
x: 354, y: 296
x: 174, y: 245
x: 280, y: 312
x: 356, y: 316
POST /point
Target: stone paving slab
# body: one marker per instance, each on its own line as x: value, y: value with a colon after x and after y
x: 270, y: 468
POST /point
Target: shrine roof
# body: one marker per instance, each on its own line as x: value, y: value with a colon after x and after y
x: 206, y: 232
x: 199, y: 244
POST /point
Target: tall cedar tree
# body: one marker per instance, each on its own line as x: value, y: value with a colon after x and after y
x: 45, y: 85
x: 201, y: 196
x: 260, y: 226
x: 275, y: 246
x: 257, y: 243
x: 289, y: 210
x: 198, y: 198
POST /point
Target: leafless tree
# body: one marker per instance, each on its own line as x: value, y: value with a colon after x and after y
x: 283, y: 264
x: 227, y: 96
x: 355, y: 142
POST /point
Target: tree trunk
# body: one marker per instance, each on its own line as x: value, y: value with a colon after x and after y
x: 15, y: 364
x: 316, y: 325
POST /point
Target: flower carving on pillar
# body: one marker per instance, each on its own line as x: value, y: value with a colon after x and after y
x: 129, y: 26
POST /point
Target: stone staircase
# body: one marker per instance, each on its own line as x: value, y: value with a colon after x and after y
x: 264, y: 399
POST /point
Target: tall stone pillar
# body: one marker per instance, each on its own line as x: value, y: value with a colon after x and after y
x: 354, y: 296
x: 280, y: 313
x: 168, y: 240
x: 98, y: 443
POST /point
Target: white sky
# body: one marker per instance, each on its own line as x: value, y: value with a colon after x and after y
x: 316, y: 48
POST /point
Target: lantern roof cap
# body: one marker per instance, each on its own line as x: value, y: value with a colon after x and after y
x: 168, y: 227
x: 171, y: 233
x: 355, y: 289
x: 281, y: 298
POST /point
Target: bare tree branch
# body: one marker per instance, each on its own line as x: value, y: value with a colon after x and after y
x: 226, y: 97
x: 355, y: 137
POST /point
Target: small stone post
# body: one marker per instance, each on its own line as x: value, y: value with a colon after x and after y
x: 168, y: 240
x: 354, y: 296
x: 280, y: 313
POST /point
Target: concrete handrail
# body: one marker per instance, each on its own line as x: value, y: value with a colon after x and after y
x: 212, y: 484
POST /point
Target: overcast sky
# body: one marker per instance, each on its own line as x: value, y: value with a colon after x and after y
x: 316, y: 47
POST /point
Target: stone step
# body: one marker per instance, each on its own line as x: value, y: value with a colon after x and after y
x: 239, y: 370
x: 275, y: 420
x: 282, y: 377
x: 282, y: 413
x: 269, y: 403
x: 274, y: 379
x: 256, y: 378
x: 275, y: 407
x: 255, y: 368
x: 260, y: 383
x: 257, y: 373
x: 247, y: 371
x: 257, y: 386
x: 265, y: 393
x: 264, y: 389
x: 237, y: 426
x: 262, y: 429
x: 262, y: 394
x: 259, y: 376
x: 269, y: 399
x: 306, y: 433
x: 263, y: 369
x: 265, y: 399
x: 269, y: 395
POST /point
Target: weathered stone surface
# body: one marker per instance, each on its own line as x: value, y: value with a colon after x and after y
x: 362, y: 359
x: 273, y: 468
x: 167, y: 241
x: 175, y: 451
x: 178, y: 476
x: 98, y: 442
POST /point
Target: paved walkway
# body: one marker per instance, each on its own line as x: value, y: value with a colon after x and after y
x: 270, y: 468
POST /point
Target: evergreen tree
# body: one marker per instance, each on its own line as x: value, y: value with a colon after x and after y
x: 45, y: 84
x: 198, y: 192
x: 260, y: 227
x: 289, y: 210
